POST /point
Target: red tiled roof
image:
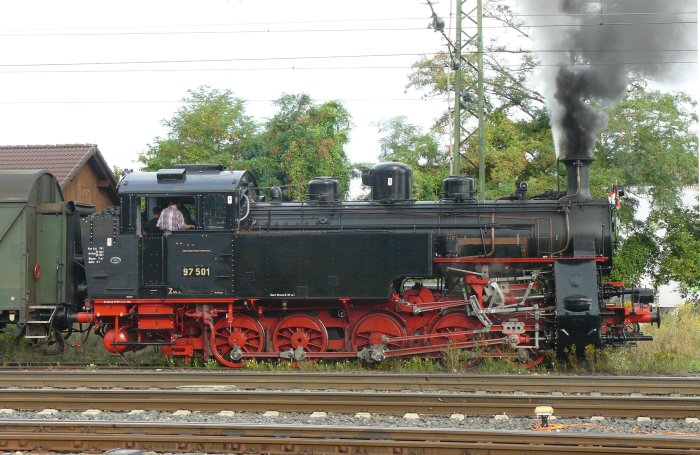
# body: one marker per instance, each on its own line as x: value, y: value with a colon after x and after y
x: 64, y: 161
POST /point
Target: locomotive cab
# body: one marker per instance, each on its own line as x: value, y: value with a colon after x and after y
x: 129, y: 261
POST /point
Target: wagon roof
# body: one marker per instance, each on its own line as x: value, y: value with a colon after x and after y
x: 17, y: 185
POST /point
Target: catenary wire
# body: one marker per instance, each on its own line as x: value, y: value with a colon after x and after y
x: 353, y: 30
x: 346, y: 20
x: 349, y: 100
x: 324, y: 57
x: 295, y: 68
x: 351, y: 20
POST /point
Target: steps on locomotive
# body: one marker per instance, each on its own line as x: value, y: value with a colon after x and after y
x: 39, y: 320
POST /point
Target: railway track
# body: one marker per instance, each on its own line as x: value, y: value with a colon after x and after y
x: 91, y: 436
x: 345, y: 402
x: 623, y: 385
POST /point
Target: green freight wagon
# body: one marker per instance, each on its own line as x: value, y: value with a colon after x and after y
x: 40, y: 273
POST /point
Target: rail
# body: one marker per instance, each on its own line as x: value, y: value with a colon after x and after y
x: 138, y: 379
x: 204, y: 399
x: 82, y: 436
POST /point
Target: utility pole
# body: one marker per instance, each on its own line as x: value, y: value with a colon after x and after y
x: 457, y: 67
x: 465, y: 97
x: 480, y: 101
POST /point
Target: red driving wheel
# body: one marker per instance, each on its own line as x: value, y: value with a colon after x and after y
x: 450, y: 324
x: 244, y: 332
x: 372, y: 328
x: 300, y: 331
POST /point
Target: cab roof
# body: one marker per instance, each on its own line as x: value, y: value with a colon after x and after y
x: 186, y: 181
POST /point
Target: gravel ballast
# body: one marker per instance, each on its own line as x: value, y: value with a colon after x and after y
x: 607, y: 425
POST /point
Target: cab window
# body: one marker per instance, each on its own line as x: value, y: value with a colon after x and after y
x: 214, y: 210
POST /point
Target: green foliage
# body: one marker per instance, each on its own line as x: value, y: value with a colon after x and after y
x: 211, y: 364
x: 211, y: 127
x: 650, y: 146
x: 412, y: 365
x: 263, y: 365
x: 301, y: 141
x: 635, y: 257
x: 118, y: 173
x: 517, y: 149
x: 304, y: 140
x: 406, y: 143
x: 494, y: 365
x: 679, y: 257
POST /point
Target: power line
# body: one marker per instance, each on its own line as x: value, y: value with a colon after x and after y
x: 601, y: 51
x: 185, y: 70
x: 54, y: 30
x: 326, y: 68
x: 436, y: 100
x: 347, y: 30
x: 202, y: 70
x: 222, y: 60
x: 233, y: 24
x: 214, y: 32
x: 605, y: 24
x: 677, y: 13
x: 317, y: 57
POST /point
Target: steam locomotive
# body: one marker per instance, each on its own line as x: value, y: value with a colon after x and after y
x: 258, y: 278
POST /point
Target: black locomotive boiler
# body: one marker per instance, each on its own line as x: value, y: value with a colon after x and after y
x: 387, y: 277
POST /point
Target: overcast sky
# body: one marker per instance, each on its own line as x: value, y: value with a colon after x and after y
x: 108, y: 73
x: 49, y: 95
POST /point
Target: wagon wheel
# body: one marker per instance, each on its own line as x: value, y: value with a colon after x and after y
x: 372, y: 328
x: 243, y: 334
x: 450, y: 324
x: 300, y: 331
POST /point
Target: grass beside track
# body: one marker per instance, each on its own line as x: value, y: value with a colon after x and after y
x: 674, y: 351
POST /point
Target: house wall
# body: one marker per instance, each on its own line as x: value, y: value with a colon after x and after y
x: 83, y: 188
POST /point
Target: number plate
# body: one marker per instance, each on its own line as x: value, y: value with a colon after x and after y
x: 196, y: 271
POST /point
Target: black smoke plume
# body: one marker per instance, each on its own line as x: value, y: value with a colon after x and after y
x: 588, y: 49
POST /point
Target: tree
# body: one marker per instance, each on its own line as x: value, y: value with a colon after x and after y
x: 517, y: 150
x: 305, y: 140
x: 211, y: 127
x: 406, y: 143
x: 301, y: 141
x: 680, y: 247
x: 650, y: 146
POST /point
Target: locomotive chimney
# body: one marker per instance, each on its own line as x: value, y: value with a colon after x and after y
x: 577, y: 175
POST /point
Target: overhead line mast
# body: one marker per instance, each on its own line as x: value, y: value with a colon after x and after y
x: 464, y: 95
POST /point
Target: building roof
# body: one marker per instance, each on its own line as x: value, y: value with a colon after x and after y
x: 64, y: 161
